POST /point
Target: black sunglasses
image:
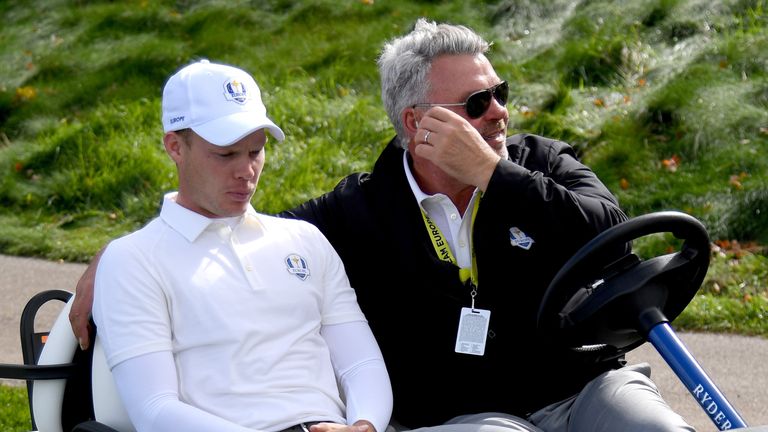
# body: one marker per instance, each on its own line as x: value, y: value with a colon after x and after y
x: 478, y: 102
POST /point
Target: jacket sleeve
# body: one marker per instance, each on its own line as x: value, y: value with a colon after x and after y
x: 332, y: 211
x: 545, y: 179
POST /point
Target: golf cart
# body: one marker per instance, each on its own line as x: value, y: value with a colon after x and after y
x: 601, y: 309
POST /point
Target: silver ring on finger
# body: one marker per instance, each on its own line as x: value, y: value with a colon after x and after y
x: 426, y: 137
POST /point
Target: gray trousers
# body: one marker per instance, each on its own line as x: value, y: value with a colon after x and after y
x: 619, y: 400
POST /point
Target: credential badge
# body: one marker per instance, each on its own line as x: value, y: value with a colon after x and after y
x: 297, y: 266
x: 520, y: 239
x: 235, y: 91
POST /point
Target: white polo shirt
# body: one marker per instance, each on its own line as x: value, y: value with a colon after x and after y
x: 240, y: 307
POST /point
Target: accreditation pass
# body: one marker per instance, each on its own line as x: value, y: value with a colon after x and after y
x: 473, y: 330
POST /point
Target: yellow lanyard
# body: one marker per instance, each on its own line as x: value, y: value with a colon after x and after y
x: 443, y: 250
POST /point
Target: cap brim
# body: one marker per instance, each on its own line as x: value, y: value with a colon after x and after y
x: 227, y: 130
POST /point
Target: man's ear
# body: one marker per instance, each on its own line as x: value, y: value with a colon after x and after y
x: 173, y: 142
x: 409, y: 120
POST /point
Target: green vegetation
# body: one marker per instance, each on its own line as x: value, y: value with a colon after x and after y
x: 14, y: 409
x: 667, y: 100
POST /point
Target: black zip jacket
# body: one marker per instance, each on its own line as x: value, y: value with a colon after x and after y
x: 412, y: 299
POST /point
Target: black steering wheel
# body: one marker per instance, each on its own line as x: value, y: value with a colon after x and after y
x: 605, y: 307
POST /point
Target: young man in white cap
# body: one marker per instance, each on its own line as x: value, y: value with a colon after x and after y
x: 215, y: 317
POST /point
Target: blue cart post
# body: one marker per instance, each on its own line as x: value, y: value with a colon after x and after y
x: 703, y: 389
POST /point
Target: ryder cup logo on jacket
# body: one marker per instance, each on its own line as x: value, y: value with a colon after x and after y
x: 297, y: 266
x: 520, y: 239
x: 235, y: 91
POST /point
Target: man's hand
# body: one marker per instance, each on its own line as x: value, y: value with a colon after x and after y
x: 80, y: 313
x: 455, y: 146
x: 359, y: 426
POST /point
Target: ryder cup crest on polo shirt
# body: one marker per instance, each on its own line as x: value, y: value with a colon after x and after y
x: 297, y: 266
x: 520, y: 239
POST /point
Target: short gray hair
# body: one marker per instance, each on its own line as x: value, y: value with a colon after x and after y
x: 405, y: 62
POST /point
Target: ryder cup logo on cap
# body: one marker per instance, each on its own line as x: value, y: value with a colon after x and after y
x: 220, y: 103
x: 236, y: 91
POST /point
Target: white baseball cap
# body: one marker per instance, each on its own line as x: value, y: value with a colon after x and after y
x: 220, y: 103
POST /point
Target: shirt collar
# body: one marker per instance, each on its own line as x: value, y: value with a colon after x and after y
x: 422, y: 197
x: 417, y: 192
x: 191, y: 224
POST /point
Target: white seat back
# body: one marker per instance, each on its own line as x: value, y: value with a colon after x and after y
x: 48, y: 395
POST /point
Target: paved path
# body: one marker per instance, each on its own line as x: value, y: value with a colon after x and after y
x: 736, y: 364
